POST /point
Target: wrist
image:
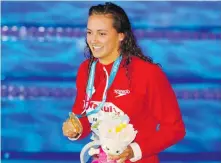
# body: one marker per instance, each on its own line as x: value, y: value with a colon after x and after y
x: 136, y: 152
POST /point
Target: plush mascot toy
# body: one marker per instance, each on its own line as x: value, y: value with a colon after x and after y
x: 115, y: 134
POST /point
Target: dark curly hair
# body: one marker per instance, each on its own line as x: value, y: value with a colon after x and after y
x: 121, y: 23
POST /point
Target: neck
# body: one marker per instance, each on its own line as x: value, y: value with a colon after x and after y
x: 109, y: 59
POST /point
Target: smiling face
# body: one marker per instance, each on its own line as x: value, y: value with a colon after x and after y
x: 102, y: 38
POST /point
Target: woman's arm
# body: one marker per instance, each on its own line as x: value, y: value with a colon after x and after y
x: 78, y: 107
x: 165, y: 110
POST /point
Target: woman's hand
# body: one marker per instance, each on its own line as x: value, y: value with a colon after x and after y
x: 126, y: 155
x: 69, y: 129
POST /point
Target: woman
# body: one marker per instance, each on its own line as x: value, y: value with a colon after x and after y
x: 126, y: 82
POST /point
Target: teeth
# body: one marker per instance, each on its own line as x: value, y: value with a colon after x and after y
x: 96, y: 47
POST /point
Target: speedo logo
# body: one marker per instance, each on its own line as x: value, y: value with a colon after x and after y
x: 121, y: 92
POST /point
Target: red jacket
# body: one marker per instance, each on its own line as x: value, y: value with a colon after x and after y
x: 145, y: 95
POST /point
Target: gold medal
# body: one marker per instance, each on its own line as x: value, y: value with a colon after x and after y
x: 76, y: 123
